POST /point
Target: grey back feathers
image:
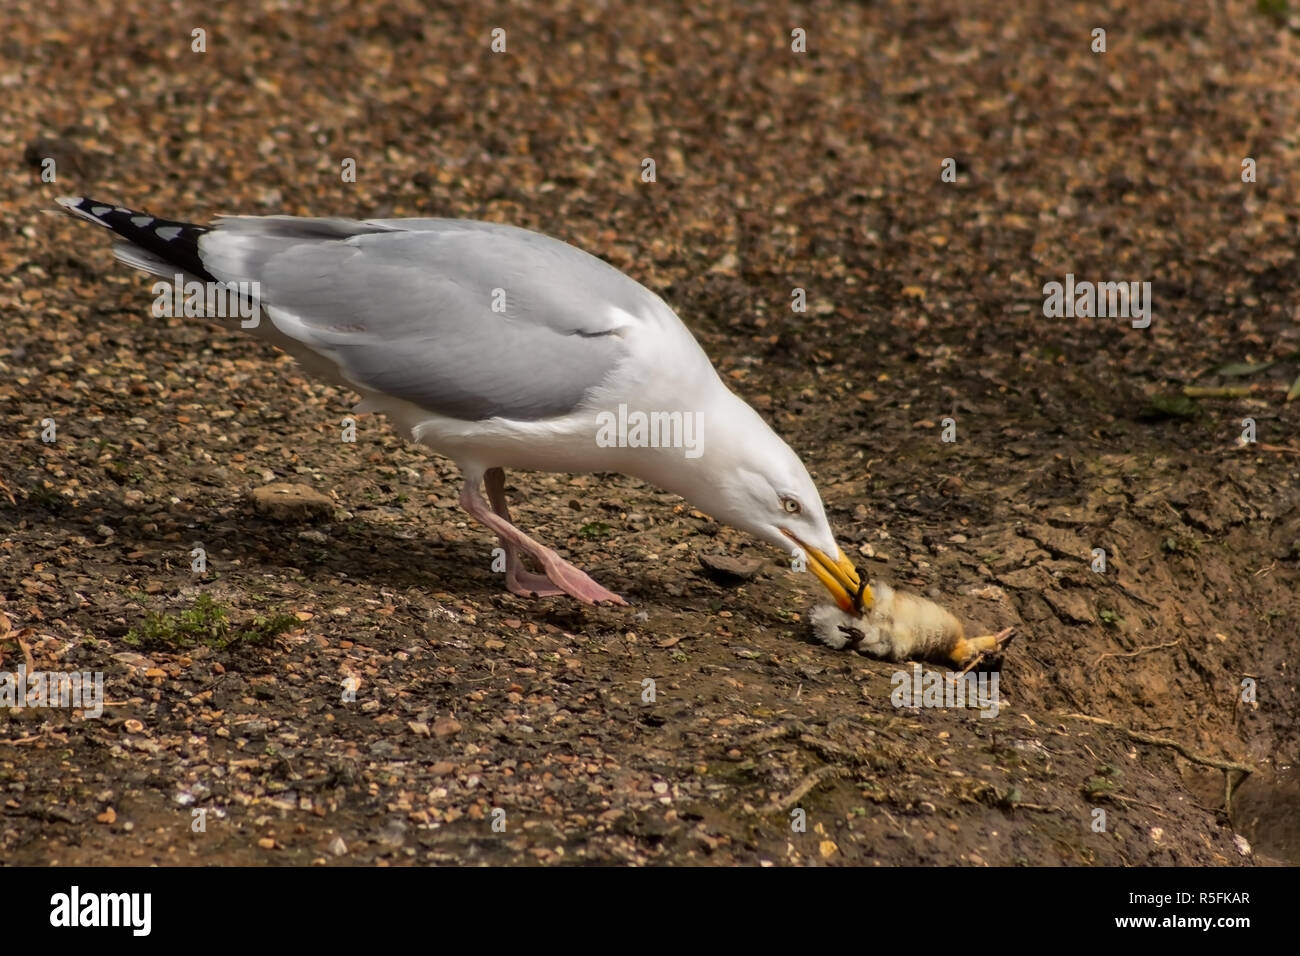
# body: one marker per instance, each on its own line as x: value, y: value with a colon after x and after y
x: 468, y: 320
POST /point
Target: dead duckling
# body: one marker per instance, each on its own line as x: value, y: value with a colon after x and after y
x: 897, y: 626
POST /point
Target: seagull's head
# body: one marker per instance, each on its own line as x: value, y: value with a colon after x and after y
x: 758, y: 484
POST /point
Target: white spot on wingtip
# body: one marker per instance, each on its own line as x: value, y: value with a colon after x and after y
x: 141, y: 221
x: 99, y: 210
x: 167, y: 232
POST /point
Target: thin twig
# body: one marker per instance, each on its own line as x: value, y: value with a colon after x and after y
x: 1143, y: 737
x: 792, y: 729
x: 58, y: 738
x: 807, y: 785
x: 1134, y: 596
x: 1140, y: 650
x: 1142, y: 803
x: 1230, y: 391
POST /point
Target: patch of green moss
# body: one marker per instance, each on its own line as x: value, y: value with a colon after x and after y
x: 1180, y: 544
x: 1105, y: 782
x: 1162, y: 407
x: 48, y: 499
x: 206, y: 623
x: 1275, y: 10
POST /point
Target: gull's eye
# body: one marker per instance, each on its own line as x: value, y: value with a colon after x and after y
x: 791, y: 506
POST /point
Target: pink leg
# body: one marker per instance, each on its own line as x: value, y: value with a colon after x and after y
x: 560, y: 576
x: 519, y: 580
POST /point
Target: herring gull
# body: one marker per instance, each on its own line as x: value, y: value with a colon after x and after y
x: 498, y: 348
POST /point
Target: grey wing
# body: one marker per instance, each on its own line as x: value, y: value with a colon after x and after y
x: 467, y: 320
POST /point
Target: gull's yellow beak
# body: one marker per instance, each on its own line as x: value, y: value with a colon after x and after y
x: 849, y: 588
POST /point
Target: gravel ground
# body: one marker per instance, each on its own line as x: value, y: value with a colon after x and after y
x: 347, y: 682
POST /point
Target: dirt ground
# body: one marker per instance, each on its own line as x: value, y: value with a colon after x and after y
x: 491, y: 729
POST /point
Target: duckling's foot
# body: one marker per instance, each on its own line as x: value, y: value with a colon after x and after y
x: 968, y: 648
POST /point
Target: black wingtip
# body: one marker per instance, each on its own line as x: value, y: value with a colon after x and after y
x: 173, y: 241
